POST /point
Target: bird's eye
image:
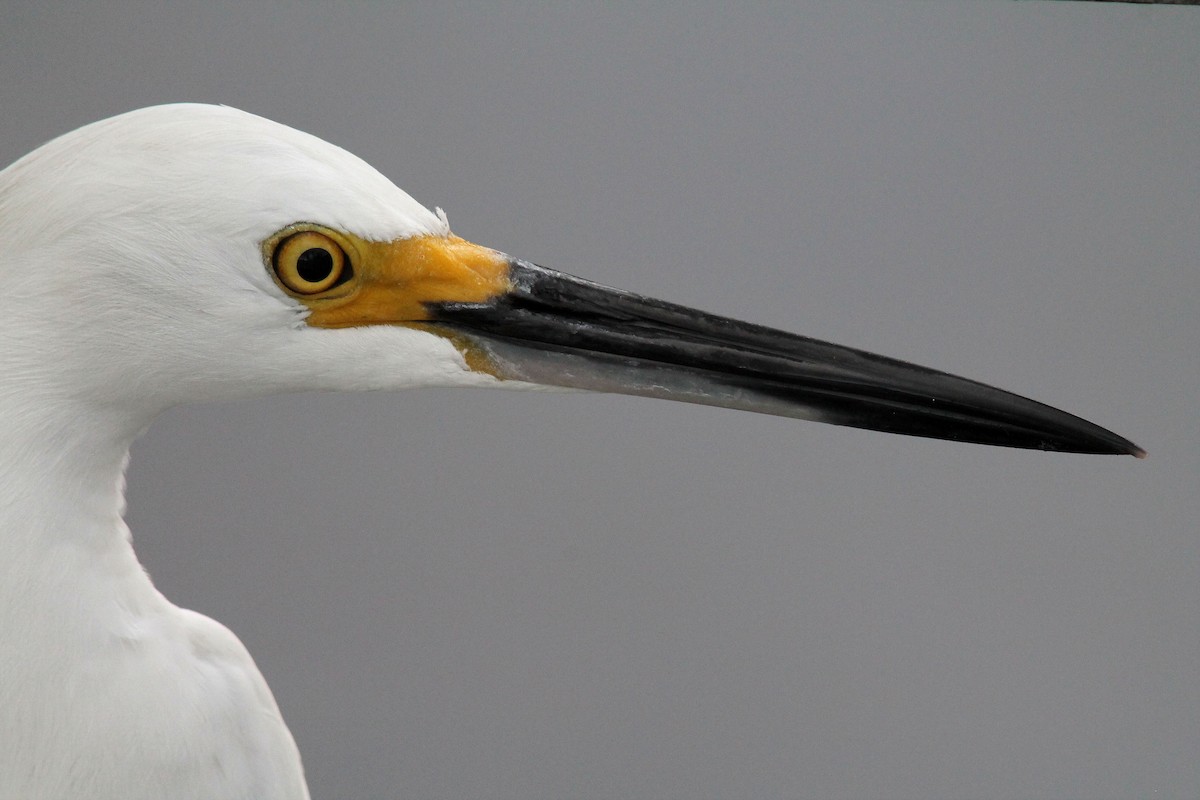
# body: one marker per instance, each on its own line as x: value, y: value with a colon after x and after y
x: 310, y: 262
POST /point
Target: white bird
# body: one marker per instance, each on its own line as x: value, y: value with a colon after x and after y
x: 188, y: 253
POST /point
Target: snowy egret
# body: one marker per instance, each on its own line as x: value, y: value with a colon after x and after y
x: 187, y: 253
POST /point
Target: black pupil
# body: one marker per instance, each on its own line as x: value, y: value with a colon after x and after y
x: 314, y: 264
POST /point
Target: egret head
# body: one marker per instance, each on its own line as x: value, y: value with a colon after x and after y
x: 193, y: 252
x: 141, y: 252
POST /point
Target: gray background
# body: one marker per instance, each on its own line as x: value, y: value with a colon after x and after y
x: 485, y: 594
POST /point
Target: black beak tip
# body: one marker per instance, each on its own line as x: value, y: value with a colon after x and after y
x: 1116, y: 446
x: 1095, y: 439
x: 1134, y: 450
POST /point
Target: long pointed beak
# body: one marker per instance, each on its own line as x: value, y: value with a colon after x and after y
x: 558, y: 330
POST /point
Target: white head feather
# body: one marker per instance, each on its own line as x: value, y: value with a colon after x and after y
x: 133, y: 263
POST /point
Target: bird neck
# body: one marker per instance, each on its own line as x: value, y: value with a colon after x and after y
x: 66, y: 561
x: 107, y: 690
